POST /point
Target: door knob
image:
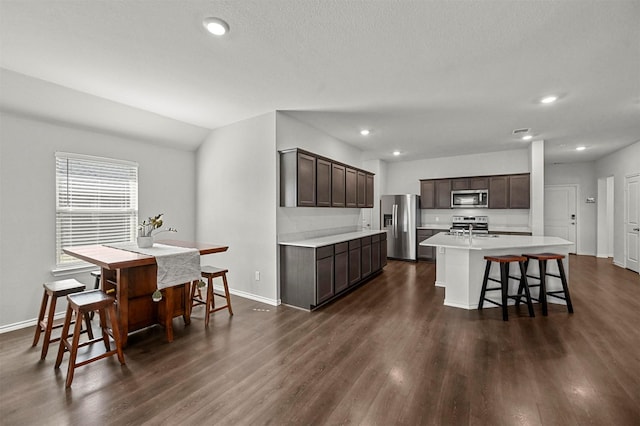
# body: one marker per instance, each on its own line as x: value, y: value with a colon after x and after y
x: 573, y: 223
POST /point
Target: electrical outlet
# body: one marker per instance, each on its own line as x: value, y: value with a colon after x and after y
x: 257, y: 275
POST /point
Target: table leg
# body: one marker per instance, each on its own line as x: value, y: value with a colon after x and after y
x: 122, y: 304
x: 186, y: 290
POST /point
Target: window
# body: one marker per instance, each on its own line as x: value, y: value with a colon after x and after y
x: 96, y: 203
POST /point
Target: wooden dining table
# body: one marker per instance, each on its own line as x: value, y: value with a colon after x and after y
x: 132, y: 278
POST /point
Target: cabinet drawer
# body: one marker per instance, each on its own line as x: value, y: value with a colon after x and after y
x: 383, y: 236
x: 341, y: 247
x: 354, y: 244
x: 322, y: 252
x: 375, y: 238
x: 365, y: 241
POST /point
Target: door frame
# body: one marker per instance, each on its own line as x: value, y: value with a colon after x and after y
x: 625, y: 218
x: 577, y: 188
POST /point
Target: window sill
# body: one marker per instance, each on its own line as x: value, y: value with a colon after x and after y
x: 72, y: 270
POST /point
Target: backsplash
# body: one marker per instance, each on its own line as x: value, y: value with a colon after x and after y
x: 498, y: 218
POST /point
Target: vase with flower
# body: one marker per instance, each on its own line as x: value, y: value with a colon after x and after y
x: 150, y: 227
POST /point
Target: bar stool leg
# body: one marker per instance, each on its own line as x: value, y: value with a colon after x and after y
x: 542, y: 265
x: 43, y: 308
x: 565, y: 287
x: 226, y: 294
x: 116, y: 333
x: 524, y: 284
x: 484, y: 284
x: 211, y: 303
x: 63, y: 336
x: 47, y: 332
x: 74, y: 351
x: 504, y: 284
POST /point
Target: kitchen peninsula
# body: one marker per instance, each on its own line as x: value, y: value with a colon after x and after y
x: 316, y: 270
x: 460, y: 263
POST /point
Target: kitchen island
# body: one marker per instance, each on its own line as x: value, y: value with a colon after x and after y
x: 460, y: 263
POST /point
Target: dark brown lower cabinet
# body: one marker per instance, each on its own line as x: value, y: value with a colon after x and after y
x: 312, y: 276
x: 324, y: 273
x: 341, y: 266
x: 355, y: 269
x: 425, y: 253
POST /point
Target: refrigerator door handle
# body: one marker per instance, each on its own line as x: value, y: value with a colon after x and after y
x: 394, y: 218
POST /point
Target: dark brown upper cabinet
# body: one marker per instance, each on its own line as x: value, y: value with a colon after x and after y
x: 460, y: 183
x: 338, y: 173
x: 427, y: 194
x: 323, y: 183
x: 351, y: 192
x: 361, y: 188
x: 306, y: 180
x: 443, y: 194
x: 519, y: 191
x: 499, y: 192
x: 369, y: 191
x: 310, y: 180
x: 479, y: 182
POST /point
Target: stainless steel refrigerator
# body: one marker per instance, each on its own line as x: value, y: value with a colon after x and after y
x: 399, y: 216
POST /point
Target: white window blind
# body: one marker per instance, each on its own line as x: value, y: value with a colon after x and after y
x: 96, y: 203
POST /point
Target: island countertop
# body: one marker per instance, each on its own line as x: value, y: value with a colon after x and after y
x: 331, y: 239
x: 492, y: 242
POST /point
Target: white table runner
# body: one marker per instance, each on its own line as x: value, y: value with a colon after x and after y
x: 176, y: 265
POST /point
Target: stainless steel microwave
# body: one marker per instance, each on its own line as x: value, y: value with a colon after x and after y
x: 470, y: 199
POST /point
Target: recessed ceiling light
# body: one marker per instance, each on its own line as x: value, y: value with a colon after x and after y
x: 396, y: 153
x: 364, y: 132
x: 549, y: 99
x: 581, y: 148
x: 216, y: 26
x: 527, y: 137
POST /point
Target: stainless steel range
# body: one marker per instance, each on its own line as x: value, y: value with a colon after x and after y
x: 477, y: 224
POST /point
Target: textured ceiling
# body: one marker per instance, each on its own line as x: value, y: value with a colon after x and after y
x: 429, y: 78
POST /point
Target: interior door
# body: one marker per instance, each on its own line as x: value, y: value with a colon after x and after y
x: 560, y: 217
x: 632, y: 222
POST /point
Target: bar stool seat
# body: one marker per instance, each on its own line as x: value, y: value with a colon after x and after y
x: 211, y: 272
x: 82, y: 304
x: 542, y: 259
x: 52, y: 291
x: 504, y: 262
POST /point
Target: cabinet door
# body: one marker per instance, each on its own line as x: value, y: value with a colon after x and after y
x: 461, y: 183
x: 337, y: 185
x: 306, y: 180
x: 323, y: 183
x: 443, y: 194
x: 369, y: 191
x: 375, y: 256
x: 366, y: 256
x: 479, y: 183
x: 341, y: 264
x: 519, y: 191
x: 427, y: 194
x: 324, y: 279
x: 383, y: 249
x: 354, y: 266
x: 425, y: 253
x: 351, y: 192
x: 499, y: 192
x: 361, y: 188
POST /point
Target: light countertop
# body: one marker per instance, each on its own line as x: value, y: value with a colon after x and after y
x: 331, y: 239
x: 490, y: 243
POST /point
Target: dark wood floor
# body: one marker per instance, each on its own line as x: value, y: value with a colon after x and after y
x: 389, y: 353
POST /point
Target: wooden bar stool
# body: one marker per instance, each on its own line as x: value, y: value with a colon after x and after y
x: 504, y: 262
x: 211, y: 272
x: 81, y: 304
x: 52, y: 291
x: 542, y: 259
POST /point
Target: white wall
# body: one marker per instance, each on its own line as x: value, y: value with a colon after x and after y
x: 294, y: 222
x: 236, y: 199
x: 584, y: 176
x: 404, y: 178
x: 27, y: 190
x: 619, y: 164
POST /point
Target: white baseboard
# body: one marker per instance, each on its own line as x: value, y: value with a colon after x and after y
x: 441, y: 284
x: 261, y: 299
x: 618, y: 264
x: 27, y: 323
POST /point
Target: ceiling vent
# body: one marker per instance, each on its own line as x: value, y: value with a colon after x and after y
x: 518, y: 131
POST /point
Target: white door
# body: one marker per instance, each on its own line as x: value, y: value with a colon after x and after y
x: 560, y: 218
x: 632, y: 222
